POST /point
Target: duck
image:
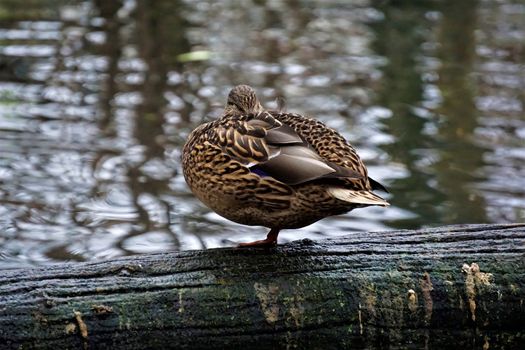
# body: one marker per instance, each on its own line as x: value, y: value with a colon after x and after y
x: 274, y: 169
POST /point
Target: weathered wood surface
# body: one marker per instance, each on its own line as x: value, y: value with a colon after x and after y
x: 447, y: 287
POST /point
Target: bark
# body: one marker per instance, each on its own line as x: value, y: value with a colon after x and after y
x: 446, y: 287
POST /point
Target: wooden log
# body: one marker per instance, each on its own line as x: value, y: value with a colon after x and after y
x: 447, y: 287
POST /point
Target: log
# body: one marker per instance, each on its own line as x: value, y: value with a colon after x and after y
x: 446, y: 287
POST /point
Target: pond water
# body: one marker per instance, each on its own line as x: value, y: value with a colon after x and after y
x: 97, y: 97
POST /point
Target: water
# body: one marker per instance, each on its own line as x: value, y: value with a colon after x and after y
x: 97, y: 97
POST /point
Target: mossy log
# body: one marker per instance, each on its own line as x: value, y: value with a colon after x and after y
x: 447, y: 287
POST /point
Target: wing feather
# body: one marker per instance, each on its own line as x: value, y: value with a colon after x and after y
x: 265, y: 144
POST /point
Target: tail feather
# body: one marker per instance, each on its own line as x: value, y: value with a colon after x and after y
x: 357, y: 197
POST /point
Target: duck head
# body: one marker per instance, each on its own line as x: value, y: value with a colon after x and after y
x: 242, y: 100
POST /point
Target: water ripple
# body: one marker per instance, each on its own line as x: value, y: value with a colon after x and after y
x: 96, y: 102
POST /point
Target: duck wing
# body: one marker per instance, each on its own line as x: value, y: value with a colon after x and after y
x: 269, y: 147
x: 332, y: 147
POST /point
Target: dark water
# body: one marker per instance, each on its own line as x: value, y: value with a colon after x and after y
x: 96, y: 98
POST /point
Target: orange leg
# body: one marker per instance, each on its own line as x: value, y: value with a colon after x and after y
x: 270, y: 241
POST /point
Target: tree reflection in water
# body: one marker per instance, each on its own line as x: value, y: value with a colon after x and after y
x: 96, y: 98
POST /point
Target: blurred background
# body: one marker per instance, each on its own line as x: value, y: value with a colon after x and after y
x: 97, y: 97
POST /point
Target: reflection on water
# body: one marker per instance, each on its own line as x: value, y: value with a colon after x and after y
x: 96, y: 98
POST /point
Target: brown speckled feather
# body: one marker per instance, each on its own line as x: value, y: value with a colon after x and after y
x: 329, y: 144
x: 264, y: 144
x: 279, y: 170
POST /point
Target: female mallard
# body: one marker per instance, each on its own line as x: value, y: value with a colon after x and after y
x: 272, y: 169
